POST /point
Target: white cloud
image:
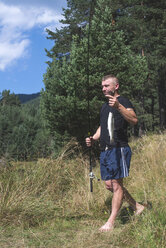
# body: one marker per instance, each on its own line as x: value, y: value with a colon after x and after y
x: 9, y: 52
x: 15, y: 24
x: 47, y: 16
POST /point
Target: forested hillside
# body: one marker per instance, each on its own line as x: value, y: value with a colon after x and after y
x: 22, y: 132
x: 27, y: 97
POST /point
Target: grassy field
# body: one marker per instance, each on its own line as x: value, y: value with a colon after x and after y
x: 48, y: 204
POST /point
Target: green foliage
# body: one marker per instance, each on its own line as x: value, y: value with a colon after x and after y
x: 142, y: 26
x: 75, y: 17
x: 6, y: 98
x: 67, y: 88
x: 28, y: 97
x: 22, y: 132
x: 143, y: 23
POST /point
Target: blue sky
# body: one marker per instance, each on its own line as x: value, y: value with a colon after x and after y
x: 23, y: 40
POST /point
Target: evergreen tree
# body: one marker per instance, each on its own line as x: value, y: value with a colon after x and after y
x: 68, y: 91
x: 20, y: 127
x: 76, y: 16
x: 143, y: 23
x: 6, y: 98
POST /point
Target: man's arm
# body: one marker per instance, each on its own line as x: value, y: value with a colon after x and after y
x: 95, y: 137
x: 128, y: 113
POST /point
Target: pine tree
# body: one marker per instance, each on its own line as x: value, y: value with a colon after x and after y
x: 68, y: 91
x: 6, y: 98
x: 20, y: 127
x: 143, y: 23
x: 76, y: 15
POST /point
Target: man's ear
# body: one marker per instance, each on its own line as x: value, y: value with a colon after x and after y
x: 117, y: 86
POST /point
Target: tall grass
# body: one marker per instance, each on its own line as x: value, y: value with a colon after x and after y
x: 52, y: 196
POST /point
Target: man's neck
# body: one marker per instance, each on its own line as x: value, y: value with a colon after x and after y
x: 116, y: 94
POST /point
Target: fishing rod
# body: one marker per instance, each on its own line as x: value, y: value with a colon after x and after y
x: 91, y: 174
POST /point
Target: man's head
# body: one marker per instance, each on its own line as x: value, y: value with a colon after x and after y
x: 110, y: 85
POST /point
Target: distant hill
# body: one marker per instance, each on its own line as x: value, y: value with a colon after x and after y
x: 27, y: 97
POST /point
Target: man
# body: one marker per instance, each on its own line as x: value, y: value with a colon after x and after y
x: 115, y: 156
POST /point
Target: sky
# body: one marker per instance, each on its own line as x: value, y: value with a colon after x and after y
x: 23, y: 42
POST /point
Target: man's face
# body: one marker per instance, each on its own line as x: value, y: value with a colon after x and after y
x: 108, y: 86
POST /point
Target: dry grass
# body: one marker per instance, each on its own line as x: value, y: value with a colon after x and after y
x: 48, y: 203
x: 149, y: 168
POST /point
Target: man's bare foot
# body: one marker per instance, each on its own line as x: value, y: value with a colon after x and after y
x: 106, y: 227
x: 139, y: 210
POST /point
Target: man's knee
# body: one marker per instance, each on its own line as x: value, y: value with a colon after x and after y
x: 114, y: 185
x: 108, y: 185
x: 117, y: 185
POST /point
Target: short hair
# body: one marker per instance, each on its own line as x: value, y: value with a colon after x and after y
x: 111, y: 76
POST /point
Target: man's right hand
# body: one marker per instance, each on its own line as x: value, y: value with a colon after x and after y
x: 89, y: 141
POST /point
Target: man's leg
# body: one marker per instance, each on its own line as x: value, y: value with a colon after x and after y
x: 116, y: 186
x: 138, y: 208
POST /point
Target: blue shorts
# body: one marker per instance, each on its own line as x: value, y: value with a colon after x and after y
x: 115, y: 163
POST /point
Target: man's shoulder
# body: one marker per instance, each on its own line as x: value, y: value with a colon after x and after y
x: 104, y: 105
x: 104, y: 108
x: 125, y: 102
x: 122, y: 98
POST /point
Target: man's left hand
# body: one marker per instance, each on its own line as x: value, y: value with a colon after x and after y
x: 112, y: 100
